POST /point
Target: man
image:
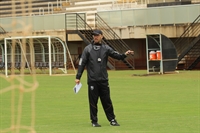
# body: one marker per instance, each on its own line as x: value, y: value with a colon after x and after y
x: 95, y: 57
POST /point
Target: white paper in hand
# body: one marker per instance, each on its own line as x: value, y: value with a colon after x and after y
x: 77, y: 87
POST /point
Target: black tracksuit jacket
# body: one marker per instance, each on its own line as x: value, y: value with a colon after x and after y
x: 96, y: 62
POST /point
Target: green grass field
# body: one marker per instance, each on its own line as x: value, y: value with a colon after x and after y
x: 168, y: 103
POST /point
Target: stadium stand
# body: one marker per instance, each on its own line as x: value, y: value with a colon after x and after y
x: 35, y: 7
x: 11, y: 8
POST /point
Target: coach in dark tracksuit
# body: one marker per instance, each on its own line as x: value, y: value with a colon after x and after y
x: 95, y: 57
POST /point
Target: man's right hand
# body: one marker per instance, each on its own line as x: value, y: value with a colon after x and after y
x: 129, y: 52
x: 77, y: 81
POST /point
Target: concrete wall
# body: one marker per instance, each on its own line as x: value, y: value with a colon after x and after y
x: 151, y: 16
x: 170, y: 31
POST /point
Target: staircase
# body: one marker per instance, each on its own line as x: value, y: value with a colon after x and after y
x: 76, y: 24
x: 113, y: 40
x: 188, y: 46
x: 2, y: 31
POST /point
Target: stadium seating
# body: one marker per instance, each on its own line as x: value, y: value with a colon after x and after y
x: 32, y: 7
x: 11, y: 8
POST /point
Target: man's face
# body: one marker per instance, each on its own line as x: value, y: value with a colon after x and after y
x: 97, y: 38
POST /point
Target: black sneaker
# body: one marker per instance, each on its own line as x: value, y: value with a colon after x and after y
x: 95, y: 124
x: 114, y: 123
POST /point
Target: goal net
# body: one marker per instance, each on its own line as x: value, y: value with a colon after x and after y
x: 21, y: 53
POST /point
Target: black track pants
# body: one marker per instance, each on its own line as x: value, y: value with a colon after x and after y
x: 102, y: 90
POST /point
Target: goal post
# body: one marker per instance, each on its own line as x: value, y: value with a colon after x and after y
x: 48, y: 50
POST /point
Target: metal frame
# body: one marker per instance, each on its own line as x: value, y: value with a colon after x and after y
x: 48, y: 38
x: 159, y: 48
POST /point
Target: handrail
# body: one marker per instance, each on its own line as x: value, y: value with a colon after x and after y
x: 110, y: 30
x: 187, y: 45
x: 188, y: 28
x: 110, y: 37
x: 50, y: 8
x: 32, y: 14
x: 2, y: 31
x: 188, y: 36
x: 113, y: 39
x: 60, y: 3
x: 41, y: 9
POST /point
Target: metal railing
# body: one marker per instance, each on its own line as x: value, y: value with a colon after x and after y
x: 112, y: 39
x: 76, y: 23
x: 187, y: 45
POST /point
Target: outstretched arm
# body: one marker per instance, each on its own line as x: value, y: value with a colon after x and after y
x: 116, y: 55
x: 129, y: 52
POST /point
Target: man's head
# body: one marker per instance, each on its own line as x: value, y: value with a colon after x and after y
x: 97, y: 36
